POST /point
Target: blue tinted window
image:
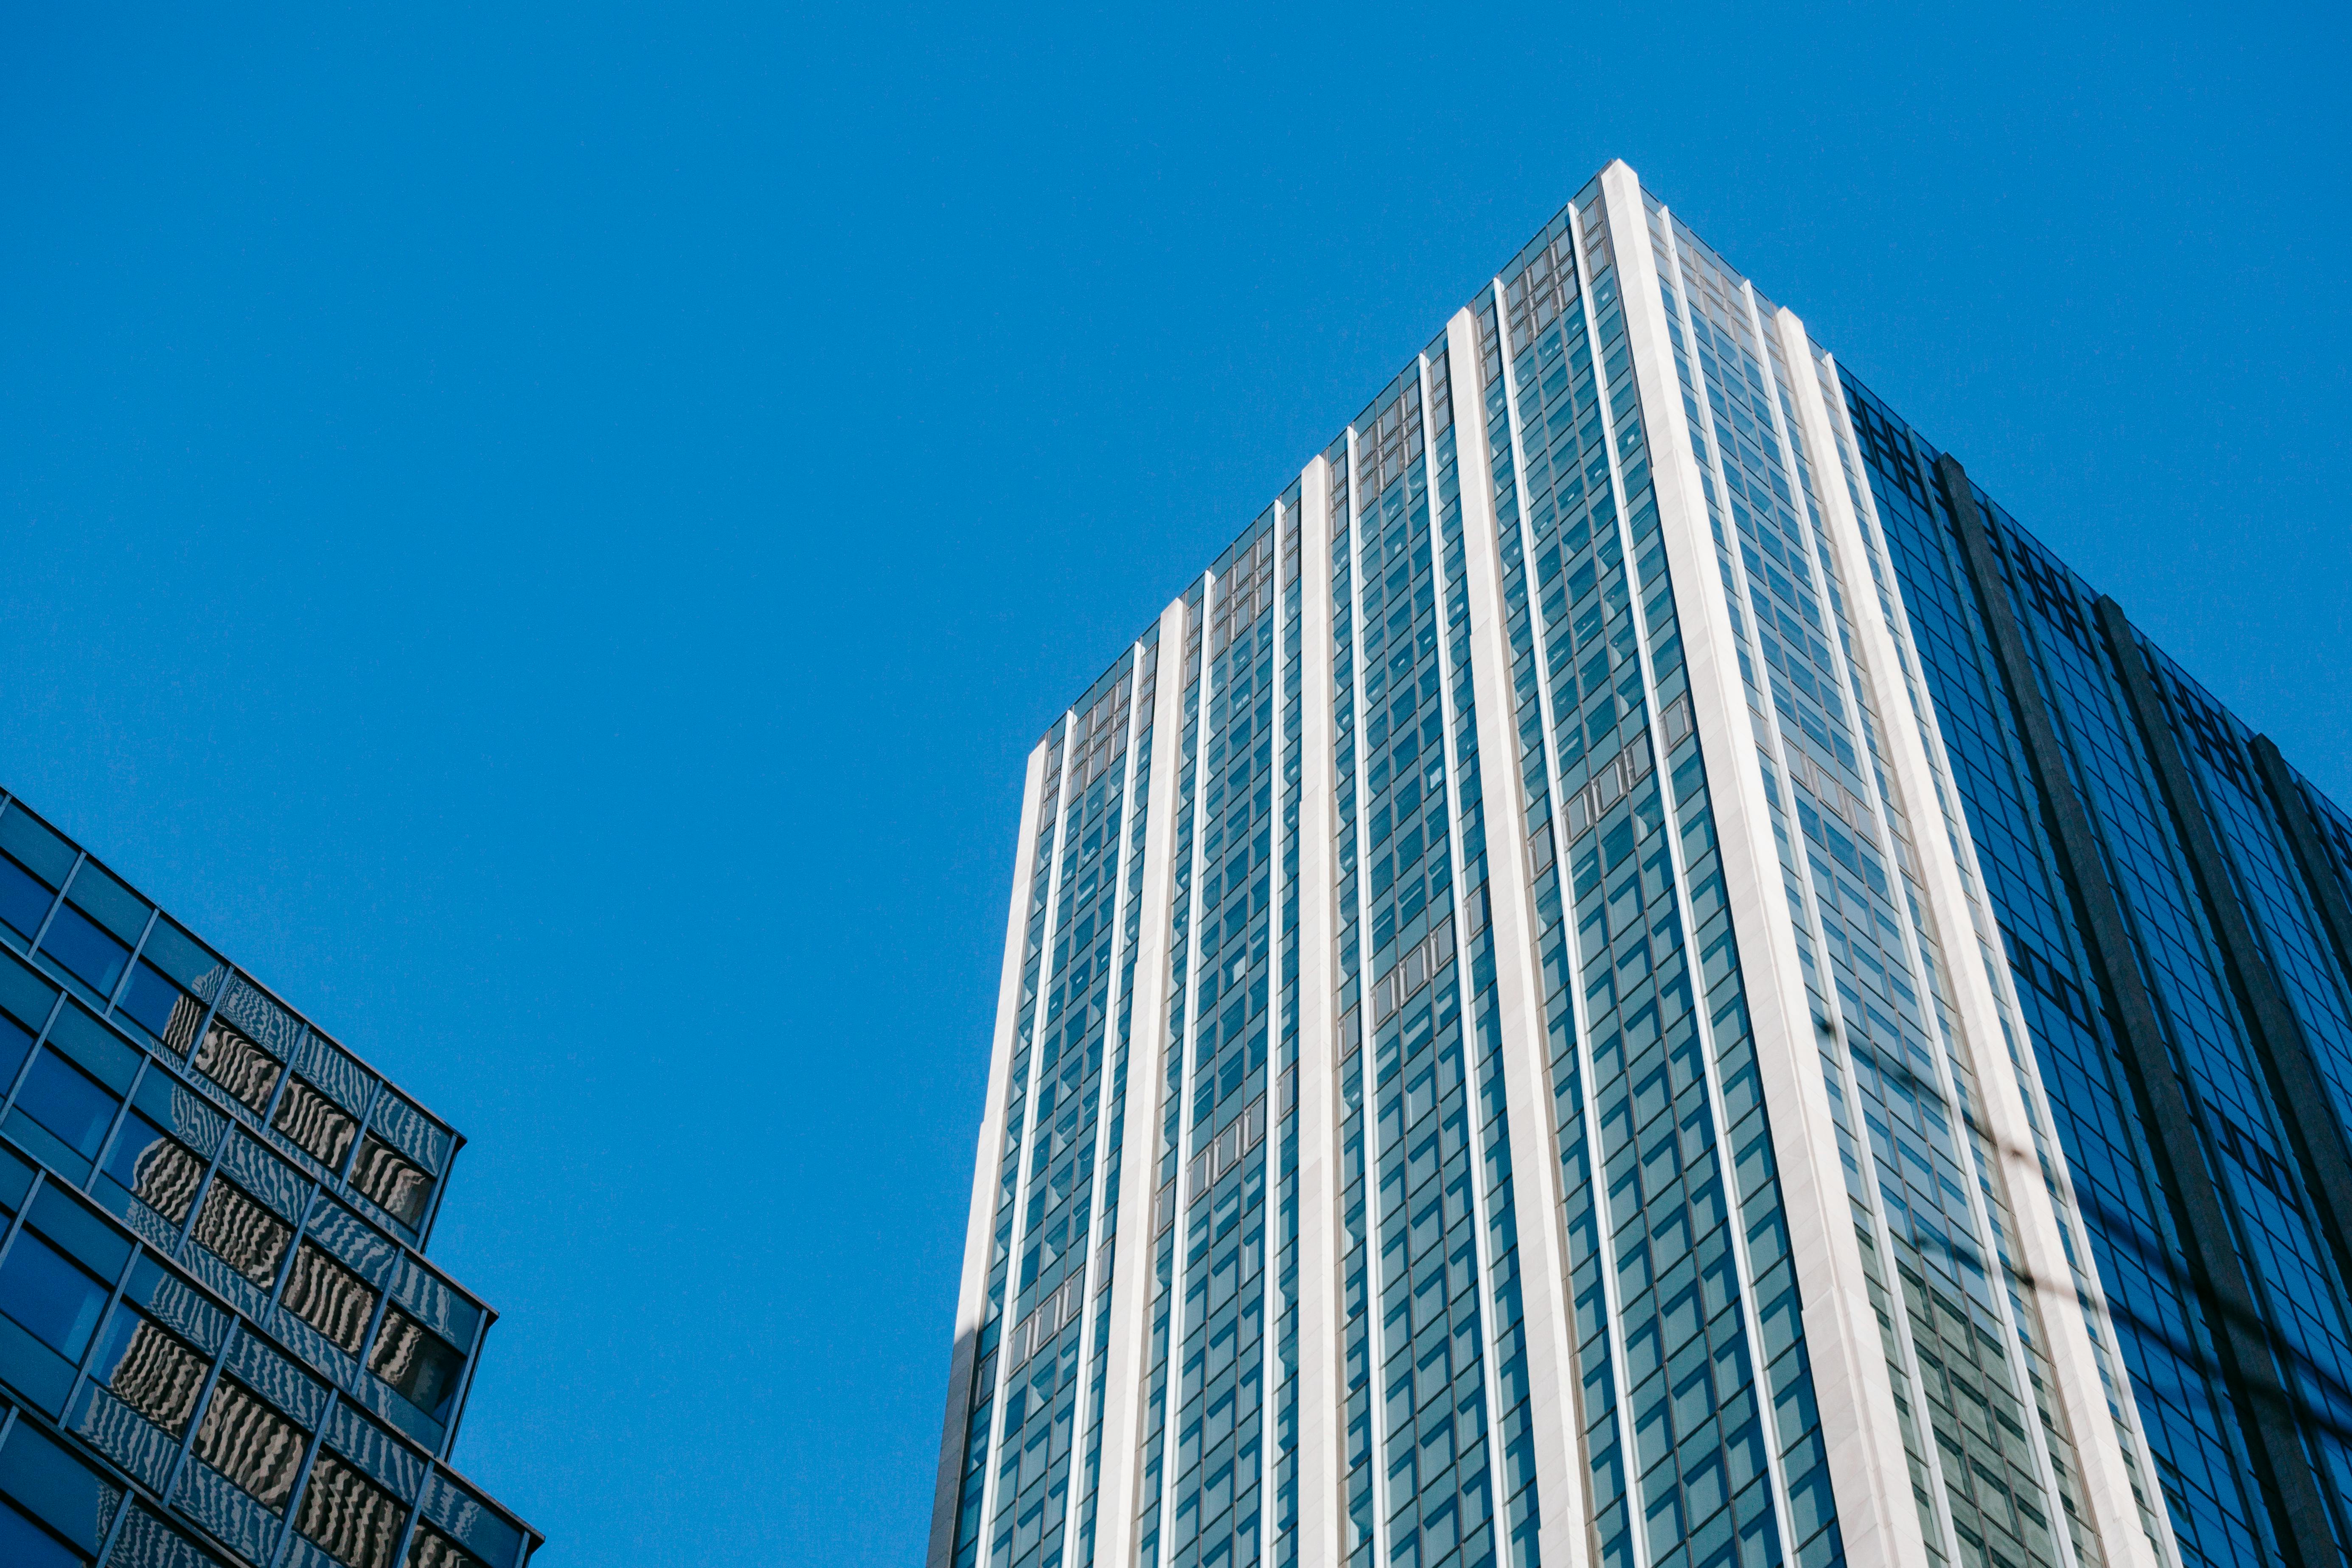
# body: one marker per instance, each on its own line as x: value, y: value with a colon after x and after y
x: 69, y: 1102
x: 24, y: 898
x: 150, y: 998
x: 27, y: 1545
x: 88, y: 949
x: 157, y: 1168
x: 14, y: 1041
x: 56, y: 1299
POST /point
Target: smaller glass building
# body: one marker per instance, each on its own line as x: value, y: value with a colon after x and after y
x: 220, y: 1340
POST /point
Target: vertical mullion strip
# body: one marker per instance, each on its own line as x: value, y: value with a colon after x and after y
x: 971, y: 1305
x: 1010, y: 1315
x: 1089, y: 1314
x: 1859, y: 1427
x: 1269, y: 1399
x: 1321, y: 1373
x: 2003, y: 1078
x: 1535, y: 1184
x: 1131, y: 1299
x: 2272, y: 1440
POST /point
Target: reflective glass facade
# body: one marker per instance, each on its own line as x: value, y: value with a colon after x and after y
x: 220, y: 1340
x: 1704, y: 1002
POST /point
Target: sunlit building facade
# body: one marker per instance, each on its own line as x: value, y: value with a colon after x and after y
x: 221, y: 1345
x: 1637, y: 977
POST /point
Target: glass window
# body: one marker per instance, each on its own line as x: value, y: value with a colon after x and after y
x: 15, y: 1040
x: 355, y: 1520
x: 322, y: 1128
x: 431, y: 1549
x: 251, y: 1444
x: 417, y: 1363
x: 69, y: 1102
x: 238, y: 1064
x: 24, y: 899
x: 329, y: 1298
x: 152, y: 1370
x: 155, y: 1167
x: 23, y: 1544
x: 54, y: 1298
x: 161, y: 1007
x: 87, y: 948
x: 243, y: 1233
x: 386, y: 1174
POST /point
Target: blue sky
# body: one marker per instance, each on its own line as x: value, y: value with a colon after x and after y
x: 548, y: 535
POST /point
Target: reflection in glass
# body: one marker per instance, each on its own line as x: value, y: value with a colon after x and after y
x: 150, y: 1370
x: 329, y: 1298
x: 398, y: 1187
x: 53, y: 1296
x: 69, y: 1102
x: 321, y: 1127
x: 417, y: 1363
x: 431, y: 1549
x: 357, y: 1521
x: 161, y: 1007
x: 242, y: 1233
x: 251, y: 1444
x: 87, y: 948
x: 159, y: 1170
x: 238, y: 1064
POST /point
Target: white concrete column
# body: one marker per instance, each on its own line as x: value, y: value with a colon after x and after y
x: 1868, y: 1471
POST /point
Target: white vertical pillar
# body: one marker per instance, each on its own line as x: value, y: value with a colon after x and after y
x: 1128, y: 1367
x: 971, y: 1301
x: 1868, y: 1471
x: 1557, y: 1429
x: 1321, y: 1539
x: 2105, y: 1478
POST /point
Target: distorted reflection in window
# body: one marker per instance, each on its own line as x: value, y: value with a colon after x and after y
x: 356, y: 1522
x: 322, y: 1128
x: 329, y: 1298
x: 396, y: 1184
x: 242, y: 1233
x: 85, y: 948
x: 238, y: 1064
x: 52, y: 1297
x: 417, y: 1363
x: 150, y: 1370
x: 156, y: 1168
x: 431, y: 1549
x: 69, y: 1102
x: 251, y: 1444
x: 156, y: 1001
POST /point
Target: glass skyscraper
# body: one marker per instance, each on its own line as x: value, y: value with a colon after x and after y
x: 220, y: 1341
x: 1638, y: 977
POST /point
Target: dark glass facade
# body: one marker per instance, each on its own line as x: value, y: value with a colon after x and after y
x: 220, y: 1340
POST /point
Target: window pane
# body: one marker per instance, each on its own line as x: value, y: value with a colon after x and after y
x: 69, y: 1102
x: 251, y: 1444
x: 242, y: 1233
x: 24, y: 898
x: 14, y: 1041
x: 159, y: 1170
x: 238, y: 1064
x: 320, y: 1126
x: 54, y: 1298
x: 417, y: 1364
x: 329, y: 1298
x: 431, y: 1549
x: 151, y: 1371
x: 162, y: 1008
x: 357, y: 1521
x: 24, y: 1543
x: 85, y: 948
x: 387, y: 1177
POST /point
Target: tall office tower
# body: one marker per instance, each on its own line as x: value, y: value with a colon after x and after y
x: 220, y: 1342
x: 1637, y: 977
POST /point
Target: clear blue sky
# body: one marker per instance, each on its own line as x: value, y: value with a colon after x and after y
x: 549, y: 536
